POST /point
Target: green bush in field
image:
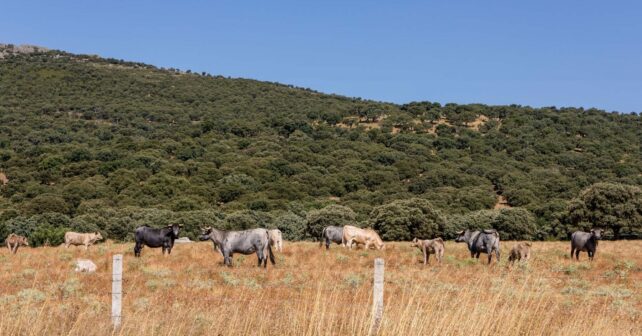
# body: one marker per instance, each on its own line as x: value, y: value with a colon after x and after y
x: 407, y: 219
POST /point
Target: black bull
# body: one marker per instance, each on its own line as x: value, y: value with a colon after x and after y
x: 156, y: 237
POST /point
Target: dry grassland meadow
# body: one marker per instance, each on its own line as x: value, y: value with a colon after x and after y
x: 312, y: 291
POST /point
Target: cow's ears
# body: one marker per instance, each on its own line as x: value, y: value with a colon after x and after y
x: 460, y: 232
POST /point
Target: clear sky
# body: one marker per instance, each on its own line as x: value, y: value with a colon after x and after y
x: 539, y: 53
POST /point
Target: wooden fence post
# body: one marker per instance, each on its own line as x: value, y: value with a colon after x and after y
x: 377, y: 297
x: 117, y: 290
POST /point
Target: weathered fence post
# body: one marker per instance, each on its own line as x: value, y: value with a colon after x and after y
x: 377, y: 297
x: 117, y: 290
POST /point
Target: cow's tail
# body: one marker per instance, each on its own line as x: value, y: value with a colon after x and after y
x: 322, y: 237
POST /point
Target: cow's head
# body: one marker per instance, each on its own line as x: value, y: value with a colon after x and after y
x: 415, y: 242
x: 23, y: 241
x: 98, y: 236
x: 205, y: 233
x: 597, y: 233
x: 175, y: 228
x: 462, y: 236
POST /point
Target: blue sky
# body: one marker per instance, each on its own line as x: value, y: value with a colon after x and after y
x: 538, y: 53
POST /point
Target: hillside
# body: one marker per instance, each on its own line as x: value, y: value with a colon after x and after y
x: 91, y: 143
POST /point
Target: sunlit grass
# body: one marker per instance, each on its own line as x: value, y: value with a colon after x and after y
x: 312, y: 291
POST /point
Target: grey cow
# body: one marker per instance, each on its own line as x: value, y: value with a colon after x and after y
x: 585, y: 242
x: 244, y: 242
x: 331, y: 234
x: 486, y: 241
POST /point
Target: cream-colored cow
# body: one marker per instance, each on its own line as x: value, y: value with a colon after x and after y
x: 86, y: 239
x: 368, y: 237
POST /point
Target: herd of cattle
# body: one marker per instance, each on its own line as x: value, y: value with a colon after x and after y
x: 261, y: 241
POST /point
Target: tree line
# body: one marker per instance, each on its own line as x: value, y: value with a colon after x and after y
x: 81, y: 136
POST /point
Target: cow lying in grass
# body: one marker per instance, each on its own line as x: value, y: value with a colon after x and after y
x: 430, y: 246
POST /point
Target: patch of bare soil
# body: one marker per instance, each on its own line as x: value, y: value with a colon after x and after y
x: 475, y: 124
x: 502, y: 203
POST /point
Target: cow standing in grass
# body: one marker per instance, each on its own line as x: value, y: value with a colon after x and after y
x: 154, y: 238
x: 276, y: 239
x: 585, y: 242
x: 86, y: 239
x: 520, y: 252
x: 486, y: 241
x: 331, y: 234
x: 367, y: 237
x: 243, y: 242
x: 14, y: 241
x: 430, y: 246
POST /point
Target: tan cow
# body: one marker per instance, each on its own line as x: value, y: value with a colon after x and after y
x: 368, y: 237
x: 14, y: 241
x: 276, y: 239
x: 430, y: 246
x: 75, y: 238
x: 521, y: 251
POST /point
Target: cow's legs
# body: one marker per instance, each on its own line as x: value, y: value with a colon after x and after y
x: 227, y: 256
x: 490, y: 257
x: 572, y: 252
x: 137, y: 249
x: 477, y: 255
x: 497, y: 254
x: 427, y: 258
x: 591, y: 255
x: 327, y: 243
x: 259, y: 254
x: 577, y: 254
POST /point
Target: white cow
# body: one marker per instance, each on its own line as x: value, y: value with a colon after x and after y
x: 276, y: 239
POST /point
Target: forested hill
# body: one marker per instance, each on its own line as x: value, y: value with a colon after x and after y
x: 94, y: 143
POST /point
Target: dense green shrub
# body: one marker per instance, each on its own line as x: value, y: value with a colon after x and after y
x: 331, y: 215
x: 407, y: 219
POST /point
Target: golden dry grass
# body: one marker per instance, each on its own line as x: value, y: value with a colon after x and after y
x: 314, y: 292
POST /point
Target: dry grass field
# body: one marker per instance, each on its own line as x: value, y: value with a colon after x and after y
x: 314, y: 292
